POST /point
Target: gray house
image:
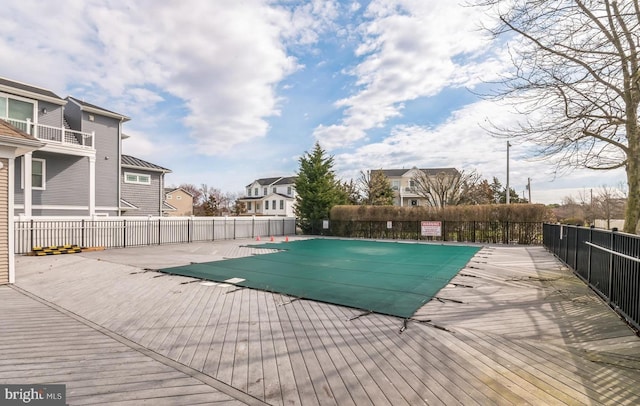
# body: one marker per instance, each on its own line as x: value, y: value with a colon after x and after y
x: 77, y: 171
x: 142, y: 187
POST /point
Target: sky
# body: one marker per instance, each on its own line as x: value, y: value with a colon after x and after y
x: 228, y: 91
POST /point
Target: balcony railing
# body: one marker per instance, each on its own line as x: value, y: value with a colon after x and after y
x: 57, y: 135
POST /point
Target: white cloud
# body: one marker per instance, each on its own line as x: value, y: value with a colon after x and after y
x: 223, y: 58
x: 411, y: 49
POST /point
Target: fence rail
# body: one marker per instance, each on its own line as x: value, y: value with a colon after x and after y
x: 492, y: 232
x: 608, y: 261
x: 134, y: 232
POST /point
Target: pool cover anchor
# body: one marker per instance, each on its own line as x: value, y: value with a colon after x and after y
x: 295, y: 299
x: 360, y: 315
x: 427, y: 322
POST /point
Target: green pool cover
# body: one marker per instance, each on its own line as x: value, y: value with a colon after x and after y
x: 384, y: 277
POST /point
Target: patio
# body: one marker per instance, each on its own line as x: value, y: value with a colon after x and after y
x: 513, y: 327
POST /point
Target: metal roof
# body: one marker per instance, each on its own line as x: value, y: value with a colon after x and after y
x: 133, y: 162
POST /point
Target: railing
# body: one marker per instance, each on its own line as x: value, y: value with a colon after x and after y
x: 608, y: 261
x: 493, y: 232
x: 59, y: 135
x: 134, y: 232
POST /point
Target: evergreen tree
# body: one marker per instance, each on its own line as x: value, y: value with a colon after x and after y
x: 376, y: 188
x: 317, y: 189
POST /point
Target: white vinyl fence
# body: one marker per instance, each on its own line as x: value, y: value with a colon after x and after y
x: 111, y: 232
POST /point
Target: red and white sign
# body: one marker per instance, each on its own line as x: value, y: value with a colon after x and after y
x: 431, y: 228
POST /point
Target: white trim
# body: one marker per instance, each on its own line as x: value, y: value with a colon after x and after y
x: 34, y: 96
x: 26, y: 182
x: 44, y: 174
x: 137, y: 175
x: 11, y: 215
x: 69, y: 149
x: 52, y: 207
x: 33, y: 102
x: 92, y: 185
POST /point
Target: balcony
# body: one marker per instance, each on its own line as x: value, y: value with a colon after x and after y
x: 55, y: 135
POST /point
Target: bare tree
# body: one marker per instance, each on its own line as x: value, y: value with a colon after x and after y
x: 608, y: 203
x: 376, y: 188
x: 577, y: 80
x: 445, y: 188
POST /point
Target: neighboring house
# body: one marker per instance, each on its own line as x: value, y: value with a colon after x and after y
x: 404, y: 186
x: 13, y: 143
x: 270, y: 197
x: 142, y: 187
x: 178, y: 202
x: 77, y: 170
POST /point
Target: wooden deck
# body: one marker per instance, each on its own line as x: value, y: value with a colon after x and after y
x: 514, y: 327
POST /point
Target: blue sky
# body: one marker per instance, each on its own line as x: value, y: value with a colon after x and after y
x: 223, y: 92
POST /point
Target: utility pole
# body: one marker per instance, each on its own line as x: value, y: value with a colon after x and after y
x: 529, y: 188
x: 508, y: 189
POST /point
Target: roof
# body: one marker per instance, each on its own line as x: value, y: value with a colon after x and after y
x: 400, y: 172
x: 133, y: 162
x: 9, y: 130
x: 175, y: 189
x: 11, y: 86
x: 92, y: 108
x: 280, y: 180
x: 14, y: 137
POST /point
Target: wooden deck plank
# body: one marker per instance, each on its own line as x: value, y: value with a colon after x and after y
x: 527, y: 332
x: 103, y: 373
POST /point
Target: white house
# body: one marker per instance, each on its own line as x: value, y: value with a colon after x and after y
x: 270, y: 197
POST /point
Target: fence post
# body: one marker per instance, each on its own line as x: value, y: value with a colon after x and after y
x: 234, y: 228
x: 474, y: 232
x: 82, y: 235
x: 589, y: 255
x: 283, y: 225
x: 613, y: 236
x: 188, y: 230
x: 213, y: 229
x: 159, y: 232
x: 444, y: 230
x: 124, y: 233
x: 31, y: 235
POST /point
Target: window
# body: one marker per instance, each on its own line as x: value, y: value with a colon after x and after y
x: 256, y: 191
x: 169, y: 197
x: 275, y: 190
x: 137, y: 178
x: 273, y: 204
x: 257, y: 206
x: 19, y: 110
x: 38, y: 173
x: 178, y: 197
x: 395, y: 184
x: 266, y: 205
x: 249, y: 206
x: 289, y: 191
x: 265, y: 191
x: 414, y: 202
x: 281, y: 204
x: 249, y: 192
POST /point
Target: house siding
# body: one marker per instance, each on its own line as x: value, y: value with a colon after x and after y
x: 66, y: 184
x: 145, y: 197
x: 66, y: 180
x: 54, y: 114
x: 73, y: 115
x: 107, y: 144
x: 183, y: 205
x: 4, y: 221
